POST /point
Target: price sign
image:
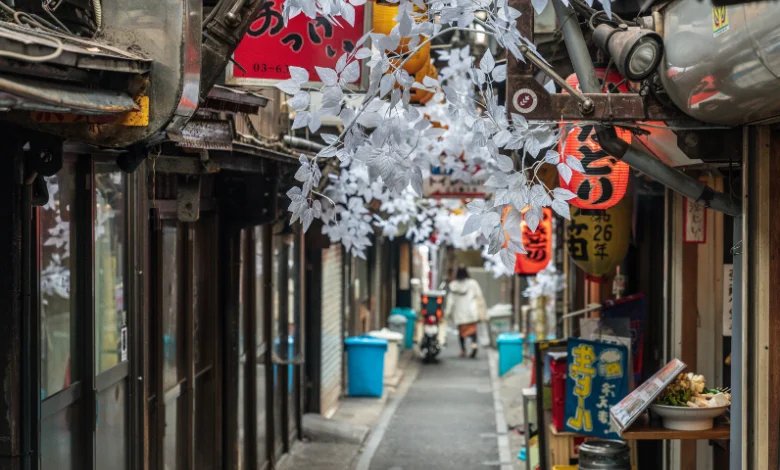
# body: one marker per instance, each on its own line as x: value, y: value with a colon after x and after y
x: 269, y: 48
x: 629, y: 408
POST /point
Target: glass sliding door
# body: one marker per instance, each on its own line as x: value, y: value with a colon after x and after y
x: 110, y: 307
x: 61, y: 385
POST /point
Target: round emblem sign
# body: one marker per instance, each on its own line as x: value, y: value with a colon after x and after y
x: 525, y: 100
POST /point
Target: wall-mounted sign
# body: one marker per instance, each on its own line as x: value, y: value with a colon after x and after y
x: 538, y: 246
x: 728, y: 297
x: 438, y: 186
x: 597, y: 379
x: 695, y: 222
x: 270, y: 47
x: 598, y: 239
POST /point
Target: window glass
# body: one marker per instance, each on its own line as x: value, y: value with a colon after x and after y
x: 109, y: 269
x: 58, y: 282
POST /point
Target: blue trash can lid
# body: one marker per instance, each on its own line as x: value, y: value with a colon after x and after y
x: 397, y: 318
x: 366, y: 341
x: 405, y: 311
x: 511, y: 338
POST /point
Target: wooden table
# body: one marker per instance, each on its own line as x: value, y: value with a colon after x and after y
x: 651, y: 431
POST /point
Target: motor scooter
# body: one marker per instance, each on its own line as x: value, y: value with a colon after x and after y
x: 429, y: 344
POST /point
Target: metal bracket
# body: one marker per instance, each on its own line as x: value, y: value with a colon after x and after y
x: 188, y: 198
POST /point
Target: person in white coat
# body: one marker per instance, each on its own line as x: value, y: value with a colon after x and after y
x: 465, y: 306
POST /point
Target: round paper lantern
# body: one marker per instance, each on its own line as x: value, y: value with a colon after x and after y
x: 604, y: 182
x: 383, y: 21
x: 538, y: 246
x: 598, y: 239
x: 419, y: 95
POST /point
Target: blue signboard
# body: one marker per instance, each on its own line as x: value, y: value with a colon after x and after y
x: 597, y: 379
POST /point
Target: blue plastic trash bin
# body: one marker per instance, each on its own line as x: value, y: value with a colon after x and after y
x: 411, y: 321
x: 365, y: 365
x: 290, y: 355
x: 510, y: 351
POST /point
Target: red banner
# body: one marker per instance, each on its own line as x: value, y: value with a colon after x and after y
x: 270, y: 47
x: 538, y: 246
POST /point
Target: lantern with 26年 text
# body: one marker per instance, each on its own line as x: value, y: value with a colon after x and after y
x: 605, y: 179
x: 598, y: 239
x: 538, y: 246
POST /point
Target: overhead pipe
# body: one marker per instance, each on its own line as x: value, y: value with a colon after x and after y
x: 634, y: 154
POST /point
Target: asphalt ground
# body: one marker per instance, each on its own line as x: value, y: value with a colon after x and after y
x: 446, y: 420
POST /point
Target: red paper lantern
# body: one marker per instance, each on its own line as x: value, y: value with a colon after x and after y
x: 538, y: 246
x: 604, y: 182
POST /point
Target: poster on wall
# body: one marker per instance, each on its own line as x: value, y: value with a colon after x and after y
x: 269, y: 47
x: 597, y: 379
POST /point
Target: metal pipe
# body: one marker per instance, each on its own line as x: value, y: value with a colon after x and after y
x: 636, y: 155
x: 576, y: 47
x: 301, y: 143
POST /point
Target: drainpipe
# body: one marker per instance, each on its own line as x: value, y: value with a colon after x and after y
x: 301, y: 143
x: 634, y: 154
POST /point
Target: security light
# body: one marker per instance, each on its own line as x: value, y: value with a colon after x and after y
x: 636, y: 51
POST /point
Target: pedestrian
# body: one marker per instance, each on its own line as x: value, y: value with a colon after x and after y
x: 465, y: 306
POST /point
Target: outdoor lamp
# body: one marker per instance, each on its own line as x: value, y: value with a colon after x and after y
x: 636, y: 51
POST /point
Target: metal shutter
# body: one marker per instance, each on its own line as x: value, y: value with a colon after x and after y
x: 330, y: 367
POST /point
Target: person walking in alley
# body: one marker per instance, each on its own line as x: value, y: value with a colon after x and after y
x: 465, y: 306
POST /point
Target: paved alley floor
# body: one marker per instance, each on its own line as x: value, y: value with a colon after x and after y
x: 445, y: 421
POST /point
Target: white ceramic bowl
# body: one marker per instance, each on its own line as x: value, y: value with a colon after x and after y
x: 683, y: 418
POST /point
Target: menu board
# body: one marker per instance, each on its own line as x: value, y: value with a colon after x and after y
x: 629, y: 408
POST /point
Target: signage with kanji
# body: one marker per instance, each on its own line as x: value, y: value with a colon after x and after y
x: 598, y: 239
x: 269, y: 48
x: 597, y: 379
x: 537, y: 244
x: 695, y: 223
x: 605, y: 179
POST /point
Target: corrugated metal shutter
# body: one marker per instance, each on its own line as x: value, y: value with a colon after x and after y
x: 330, y: 386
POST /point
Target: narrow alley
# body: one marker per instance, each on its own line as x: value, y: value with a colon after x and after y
x: 446, y: 416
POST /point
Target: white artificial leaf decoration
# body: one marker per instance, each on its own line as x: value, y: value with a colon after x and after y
x: 327, y: 76
x: 563, y: 194
x: 533, y: 217
x: 575, y: 164
x: 505, y: 163
x: 289, y: 87
x: 488, y: 63
x: 499, y: 73
x: 564, y: 171
x: 298, y: 75
x: 300, y: 101
x: 561, y: 208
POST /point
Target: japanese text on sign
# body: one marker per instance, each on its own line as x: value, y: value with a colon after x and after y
x: 597, y: 379
x: 270, y: 48
x: 695, y: 222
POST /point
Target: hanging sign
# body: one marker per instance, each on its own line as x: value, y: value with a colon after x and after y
x: 695, y: 222
x: 597, y: 379
x: 269, y: 47
x: 538, y: 246
x: 604, y: 182
x: 598, y: 239
x: 728, y: 297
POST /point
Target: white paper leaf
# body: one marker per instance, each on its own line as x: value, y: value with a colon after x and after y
x: 300, y: 101
x: 499, y: 73
x: 329, y: 139
x: 351, y: 73
x: 301, y: 120
x: 472, y: 224
x: 552, y: 157
x: 564, y: 171
x: 289, y: 87
x: 563, y: 194
x: 533, y: 217
x: 488, y: 63
x: 385, y: 85
x: 348, y: 13
x: 505, y: 163
x: 405, y: 25
x: 299, y: 74
x: 508, y: 259
x: 561, y: 208
x: 327, y: 76
x: 575, y: 164
x: 363, y: 53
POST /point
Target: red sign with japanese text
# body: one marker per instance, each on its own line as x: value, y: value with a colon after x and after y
x: 604, y: 182
x: 270, y: 47
x: 538, y: 246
